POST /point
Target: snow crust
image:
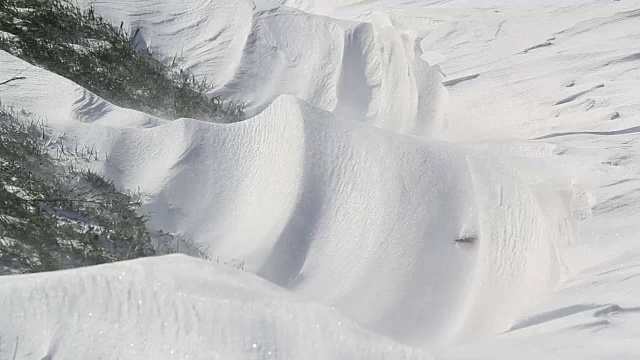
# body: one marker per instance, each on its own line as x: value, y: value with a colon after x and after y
x: 346, y: 192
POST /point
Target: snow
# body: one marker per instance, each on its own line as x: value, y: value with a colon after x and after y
x: 176, y: 308
x: 346, y: 190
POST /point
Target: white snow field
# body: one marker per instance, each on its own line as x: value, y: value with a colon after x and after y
x: 346, y: 190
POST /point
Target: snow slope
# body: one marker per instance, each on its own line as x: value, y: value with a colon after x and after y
x: 333, y: 213
x: 319, y: 225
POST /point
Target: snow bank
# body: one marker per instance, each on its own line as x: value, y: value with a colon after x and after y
x: 255, y: 52
x: 60, y: 101
x: 173, y: 307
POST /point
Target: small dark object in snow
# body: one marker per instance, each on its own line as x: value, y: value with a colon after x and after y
x: 15, y: 78
x: 470, y: 239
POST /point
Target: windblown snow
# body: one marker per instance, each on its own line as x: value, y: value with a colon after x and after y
x: 417, y: 180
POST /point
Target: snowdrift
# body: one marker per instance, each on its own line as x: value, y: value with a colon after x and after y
x: 173, y: 307
x: 336, y: 211
x: 256, y: 51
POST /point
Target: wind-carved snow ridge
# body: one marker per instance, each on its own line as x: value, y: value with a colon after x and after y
x: 255, y: 52
x: 334, y: 211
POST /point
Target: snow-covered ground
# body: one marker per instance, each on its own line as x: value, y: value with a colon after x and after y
x: 345, y: 192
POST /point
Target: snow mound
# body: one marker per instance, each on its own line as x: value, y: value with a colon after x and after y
x: 60, y: 101
x: 173, y: 307
x: 255, y: 52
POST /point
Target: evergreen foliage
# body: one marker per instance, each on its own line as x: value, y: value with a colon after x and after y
x: 82, y: 46
x: 54, y: 214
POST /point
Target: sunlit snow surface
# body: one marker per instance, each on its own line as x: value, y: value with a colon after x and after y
x: 345, y: 191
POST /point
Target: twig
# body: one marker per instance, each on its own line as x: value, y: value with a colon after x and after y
x: 17, y: 76
x: 12, y: 79
x: 15, y: 350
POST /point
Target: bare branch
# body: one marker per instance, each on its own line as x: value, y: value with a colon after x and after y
x: 15, y: 78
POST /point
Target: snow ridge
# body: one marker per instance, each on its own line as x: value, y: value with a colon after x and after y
x: 256, y: 52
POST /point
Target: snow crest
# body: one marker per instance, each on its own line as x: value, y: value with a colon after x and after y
x: 255, y: 52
